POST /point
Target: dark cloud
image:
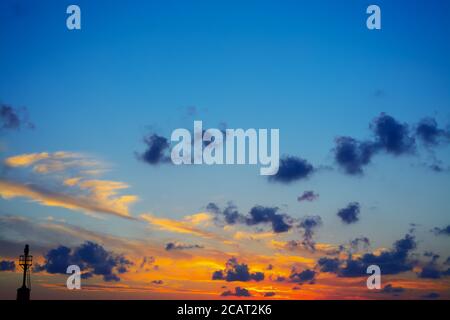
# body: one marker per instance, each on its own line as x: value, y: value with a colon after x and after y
x: 393, y: 261
x: 157, y: 150
x: 431, y: 295
x: 181, y: 246
x: 280, y: 222
x: 212, y: 207
x: 309, y: 225
x: 358, y: 244
x: 148, y: 262
x: 13, y: 119
x: 308, y: 196
x: 442, y: 231
x: 269, y: 294
x: 158, y: 282
x: 7, y: 265
x: 434, y: 257
x: 230, y: 214
x: 389, y: 288
x: 238, y: 292
x: 305, y: 276
x: 428, y: 132
x: 328, y: 264
x: 350, y: 214
x: 90, y: 257
x: 352, y: 155
x: 430, y: 272
x: 292, y: 169
x: 191, y: 111
x: 279, y: 279
x: 392, y: 136
x: 437, y: 166
x: 235, y: 271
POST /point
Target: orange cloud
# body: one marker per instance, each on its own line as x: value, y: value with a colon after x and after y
x: 96, y: 203
x: 47, y: 162
x: 76, y: 191
x: 25, y: 160
x: 186, y: 226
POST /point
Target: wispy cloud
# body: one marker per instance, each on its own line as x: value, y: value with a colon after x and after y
x: 63, y: 179
x: 188, y: 225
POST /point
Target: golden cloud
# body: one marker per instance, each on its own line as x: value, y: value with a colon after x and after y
x: 185, y: 226
x: 67, y: 183
x: 90, y: 203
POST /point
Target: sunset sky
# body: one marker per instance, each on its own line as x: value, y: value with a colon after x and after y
x: 364, y: 119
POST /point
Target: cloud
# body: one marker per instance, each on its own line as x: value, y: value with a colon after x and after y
x: 25, y: 160
x: 90, y: 257
x: 157, y: 150
x: 305, y: 276
x: 158, y: 282
x: 428, y: 132
x: 350, y: 214
x: 309, y: 224
x: 328, y: 264
x: 431, y: 295
x: 230, y: 214
x: 292, y: 169
x: 64, y: 179
x: 14, y: 119
x: 353, y: 155
x: 184, y: 226
x: 390, y: 136
x: 235, y: 271
x: 100, y: 200
x: 279, y: 222
x: 191, y: 111
x: 259, y: 214
x: 393, y: 261
x: 181, y: 246
x: 389, y: 288
x: 431, y: 270
x: 269, y: 294
x: 434, y: 257
x: 442, y: 231
x: 7, y: 265
x: 148, y: 263
x: 308, y: 196
x: 51, y: 162
x: 358, y: 243
x: 213, y: 208
x: 238, y: 292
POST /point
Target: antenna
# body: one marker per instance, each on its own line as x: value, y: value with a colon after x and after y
x: 25, y: 261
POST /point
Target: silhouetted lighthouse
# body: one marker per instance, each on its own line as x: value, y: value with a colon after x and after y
x: 25, y: 261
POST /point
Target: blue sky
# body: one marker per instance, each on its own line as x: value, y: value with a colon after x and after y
x: 311, y: 69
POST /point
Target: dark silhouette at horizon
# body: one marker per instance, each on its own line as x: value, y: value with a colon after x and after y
x: 25, y: 261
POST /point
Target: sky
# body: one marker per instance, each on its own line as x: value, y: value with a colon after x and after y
x: 85, y: 123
